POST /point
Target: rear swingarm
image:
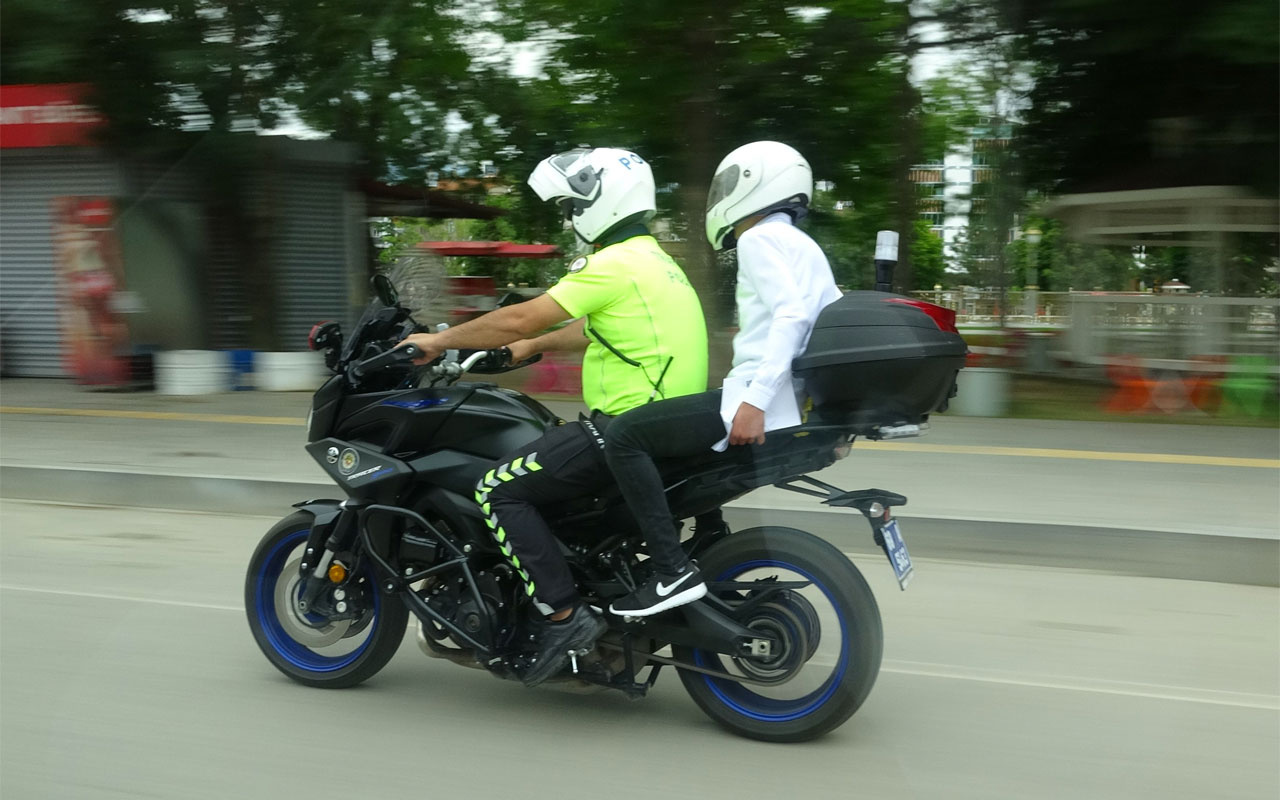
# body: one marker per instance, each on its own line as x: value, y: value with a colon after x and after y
x: 707, y: 624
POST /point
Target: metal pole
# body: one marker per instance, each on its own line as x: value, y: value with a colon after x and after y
x: 886, y: 259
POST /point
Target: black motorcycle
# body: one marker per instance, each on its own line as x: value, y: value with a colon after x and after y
x: 785, y: 646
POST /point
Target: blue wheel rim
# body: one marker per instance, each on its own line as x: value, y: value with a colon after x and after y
x: 740, y: 698
x: 296, y: 654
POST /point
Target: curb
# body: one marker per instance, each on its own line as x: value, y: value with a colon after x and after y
x: 1122, y: 551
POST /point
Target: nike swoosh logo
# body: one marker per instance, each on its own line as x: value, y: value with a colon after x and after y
x: 663, y: 591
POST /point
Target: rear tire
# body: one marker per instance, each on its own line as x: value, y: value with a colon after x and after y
x: 365, y: 648
x: 852, y: 640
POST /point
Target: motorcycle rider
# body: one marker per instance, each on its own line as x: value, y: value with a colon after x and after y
x: 758, y: 193
x: 641, y: 326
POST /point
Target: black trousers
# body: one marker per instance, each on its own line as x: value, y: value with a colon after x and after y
x: 566, y: 462
x: 680, y: 427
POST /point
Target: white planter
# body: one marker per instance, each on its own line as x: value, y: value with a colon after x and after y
x: 192, y: 372
x: 302, y: 371
x: 981, y: 392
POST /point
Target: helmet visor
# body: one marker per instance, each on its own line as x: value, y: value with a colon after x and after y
x: 562, y: 161
x: 722, y: 185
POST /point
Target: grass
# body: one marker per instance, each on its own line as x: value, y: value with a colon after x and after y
x: 1037, y: 397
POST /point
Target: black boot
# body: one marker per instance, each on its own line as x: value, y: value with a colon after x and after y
x: 578, y: 632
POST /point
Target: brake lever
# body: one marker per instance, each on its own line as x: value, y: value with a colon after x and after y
x: 405, y: 352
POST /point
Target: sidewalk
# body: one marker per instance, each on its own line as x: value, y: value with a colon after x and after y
x: 62, y: 442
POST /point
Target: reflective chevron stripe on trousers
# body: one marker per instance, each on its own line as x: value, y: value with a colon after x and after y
x: 566, y: 462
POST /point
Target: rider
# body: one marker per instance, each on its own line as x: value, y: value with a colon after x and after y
x: 641, y: 325
x: 758, y: 192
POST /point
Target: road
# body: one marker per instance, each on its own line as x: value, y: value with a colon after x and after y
x: 128, y: 672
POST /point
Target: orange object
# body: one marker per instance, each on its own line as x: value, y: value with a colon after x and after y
x: 1133, y: 387
x: 337, y: 572
x: 1204, y: 387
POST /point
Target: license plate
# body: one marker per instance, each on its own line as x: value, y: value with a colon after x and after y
x: 896, y: 549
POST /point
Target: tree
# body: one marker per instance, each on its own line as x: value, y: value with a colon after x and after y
x: 1150, y: 91
x: 927, y: 262
x: 685, y: 82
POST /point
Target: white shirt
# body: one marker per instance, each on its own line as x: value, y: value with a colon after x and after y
x: 784, y: 280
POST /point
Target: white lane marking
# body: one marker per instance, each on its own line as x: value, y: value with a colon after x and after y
x: 123, y: 598
x: 1183, y: 694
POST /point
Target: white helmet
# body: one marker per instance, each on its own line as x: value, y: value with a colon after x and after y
x: 756, y: 178
x: 599, y: 188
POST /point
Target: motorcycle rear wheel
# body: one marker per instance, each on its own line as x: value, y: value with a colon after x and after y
x: 830, y: 652
x: 307, y: 649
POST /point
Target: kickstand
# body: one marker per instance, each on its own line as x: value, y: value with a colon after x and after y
x: 653, y: 675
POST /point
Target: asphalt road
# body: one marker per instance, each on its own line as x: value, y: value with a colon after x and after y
x: 127, y: 671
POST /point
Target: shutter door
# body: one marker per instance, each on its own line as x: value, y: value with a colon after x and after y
x: 30, y: 328
x: 311, y: 244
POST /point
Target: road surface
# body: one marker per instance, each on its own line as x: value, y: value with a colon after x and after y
x: 127, y: 671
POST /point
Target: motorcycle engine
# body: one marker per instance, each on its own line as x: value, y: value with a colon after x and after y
x: 485, y: 620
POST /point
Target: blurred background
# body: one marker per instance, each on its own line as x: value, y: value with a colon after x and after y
x: 1093, y: 189
x: 187, y: 187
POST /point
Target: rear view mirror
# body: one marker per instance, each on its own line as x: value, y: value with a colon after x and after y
x: 385, y: 289
x: 510, y: 299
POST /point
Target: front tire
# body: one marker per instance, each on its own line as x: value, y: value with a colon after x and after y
x: 306, y: 647
x: 831, y: 635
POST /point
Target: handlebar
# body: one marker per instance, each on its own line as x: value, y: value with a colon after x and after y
x: 446, y: 367
x: 396, y: 355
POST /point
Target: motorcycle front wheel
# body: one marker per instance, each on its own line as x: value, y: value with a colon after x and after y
x: 828, y: 638
x: 308, y: 645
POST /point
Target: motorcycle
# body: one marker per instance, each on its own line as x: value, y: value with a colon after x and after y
x: 785, y: 646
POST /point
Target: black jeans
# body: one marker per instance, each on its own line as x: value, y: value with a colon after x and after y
x: 680, y: 427
x: 566, y: 462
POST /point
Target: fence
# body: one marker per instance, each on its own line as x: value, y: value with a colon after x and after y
x: 982, y: 307
x: 1172, y: 329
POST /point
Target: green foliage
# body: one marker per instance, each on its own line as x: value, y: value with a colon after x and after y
x: 1151, y: 91
x: 685, y: 82
x: 927, y: 261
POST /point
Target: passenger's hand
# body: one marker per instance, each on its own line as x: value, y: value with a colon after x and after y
x: 522, y: 349
x: 748, y: 425
x: 428, y: 344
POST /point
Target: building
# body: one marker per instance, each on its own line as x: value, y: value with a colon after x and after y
x: 141, y: 253
x: 952, y: 190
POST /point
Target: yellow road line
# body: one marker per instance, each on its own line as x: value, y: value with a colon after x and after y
x: 180, y: 416
x: 901, y: 447
x: 1084, y: 455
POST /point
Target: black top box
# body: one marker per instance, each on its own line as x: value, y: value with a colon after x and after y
x: 881, y: 358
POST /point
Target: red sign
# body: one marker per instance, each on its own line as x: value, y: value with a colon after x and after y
x: 497, y: 249
x: 49, y: 115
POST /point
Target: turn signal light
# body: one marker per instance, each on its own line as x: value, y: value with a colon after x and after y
x: 337, y: 572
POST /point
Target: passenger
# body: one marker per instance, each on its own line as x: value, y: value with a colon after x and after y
x: 758, y: 193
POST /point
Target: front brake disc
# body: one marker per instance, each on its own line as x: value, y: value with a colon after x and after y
x: 305, y: 628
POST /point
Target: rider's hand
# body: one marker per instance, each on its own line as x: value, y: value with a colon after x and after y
x: 522, y: 349
x: 427, y: 343
x: 748, y: 425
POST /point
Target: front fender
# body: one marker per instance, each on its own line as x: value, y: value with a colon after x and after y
x: 324, y: 511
